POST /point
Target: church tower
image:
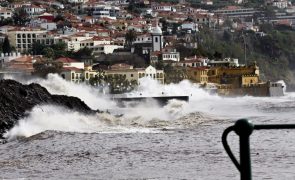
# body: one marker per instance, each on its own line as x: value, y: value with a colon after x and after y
x: 157, y: 38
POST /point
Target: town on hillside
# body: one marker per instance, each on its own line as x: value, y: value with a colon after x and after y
x: 232, y: 44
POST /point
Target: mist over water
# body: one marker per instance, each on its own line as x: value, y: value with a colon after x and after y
x: 147, y: 116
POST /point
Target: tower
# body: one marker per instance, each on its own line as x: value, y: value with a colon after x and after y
x: 157, y: 38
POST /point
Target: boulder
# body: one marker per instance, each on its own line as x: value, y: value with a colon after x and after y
x: 16, y: 99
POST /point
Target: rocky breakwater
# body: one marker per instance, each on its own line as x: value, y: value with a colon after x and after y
x: 16, y: 99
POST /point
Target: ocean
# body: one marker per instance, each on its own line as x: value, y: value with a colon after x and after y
x: 181, y: 140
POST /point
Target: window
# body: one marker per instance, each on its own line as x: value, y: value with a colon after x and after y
x: 73, y: 75
x: 156, y: 39
x: 87, y: 76
x: 131, y: 75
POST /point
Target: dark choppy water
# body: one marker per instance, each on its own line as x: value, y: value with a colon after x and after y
x: 179, y: 154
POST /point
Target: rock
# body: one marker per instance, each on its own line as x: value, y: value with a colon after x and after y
x: 16, y: 99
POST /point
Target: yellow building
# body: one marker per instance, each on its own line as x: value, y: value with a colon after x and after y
x: 89, y: 73
x: 72, y: 74
x: 198, y: 74
x: 235, y: 76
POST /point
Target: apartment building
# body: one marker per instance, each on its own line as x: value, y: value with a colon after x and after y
x: 105, y: 11
x: 23, y: 39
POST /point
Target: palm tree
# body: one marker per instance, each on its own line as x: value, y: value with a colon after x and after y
x: 130, y: 37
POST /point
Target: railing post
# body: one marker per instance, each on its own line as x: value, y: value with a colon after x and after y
x: 244, y: 129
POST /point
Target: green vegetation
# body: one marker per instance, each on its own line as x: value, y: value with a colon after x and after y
x: 273, y: 51
x: 6, y: 48
x: 116, y: 84
x: 42, y: 69
x: 20, y: 17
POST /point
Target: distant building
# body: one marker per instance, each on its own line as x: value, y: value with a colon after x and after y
x: 236, y: 12
x: 5, y: 13
x: 70, y: 63
x: 137, y: 73
x: 228, y: 62
x: 22, y: 39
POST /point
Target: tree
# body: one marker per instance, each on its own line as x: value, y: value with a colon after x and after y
x: 42, y: 69
x: 130, y: 37
x: 6, y: 48
x: 59, y: 49
x: 98, y: 79
x: 49, y: 53
x: 20, y: 17
x: 84, y: 52
x: 37, y: 48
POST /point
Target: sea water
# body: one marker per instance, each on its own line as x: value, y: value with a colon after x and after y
x: 181, y: 140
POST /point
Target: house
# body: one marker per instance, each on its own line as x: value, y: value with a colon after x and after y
x: 170, y: 54
x: 105, y: 48
x: 5, y: 13
x: 34, y: 9
x: 72, y: 74
x: 70, y: 63
x: 105, y: 11
x: 164, y: 7
x: 137, y: 73
x: 224, y: 62
x: 189, y: 27
x: 22, y: 64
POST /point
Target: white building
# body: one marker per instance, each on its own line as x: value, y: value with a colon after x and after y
x: 136, y: 74
x: 189, y: 26
x: 281, y: 4
x: 105, y: 11
x: 70, y: 63
x: 77, y: 1
x: 105, y: 48
x: 157, y: 38
x: 5, y: 13
x: 34, y: 10
x: 171, y: 55
x: 163, y: 7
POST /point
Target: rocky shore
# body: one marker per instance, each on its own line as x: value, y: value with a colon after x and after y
x: 16, y: 99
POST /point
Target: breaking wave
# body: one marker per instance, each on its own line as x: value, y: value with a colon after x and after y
x: 147, y: 116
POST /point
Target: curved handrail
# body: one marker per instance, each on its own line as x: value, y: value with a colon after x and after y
x: 227, y: 148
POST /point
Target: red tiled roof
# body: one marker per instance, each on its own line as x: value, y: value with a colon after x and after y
x: 66, y: 60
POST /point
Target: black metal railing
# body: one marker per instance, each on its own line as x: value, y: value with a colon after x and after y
x: 244, y: 128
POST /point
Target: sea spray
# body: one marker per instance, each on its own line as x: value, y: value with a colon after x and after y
x: 49, y: 117
x: 202, y: 106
